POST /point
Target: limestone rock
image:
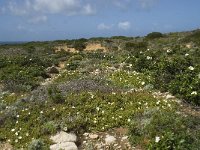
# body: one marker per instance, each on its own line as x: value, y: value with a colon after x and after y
x: 64, y: 146
x: 62, y: 137
x: 169, y: 96
x: 110, y: 139
x: 93, y: 136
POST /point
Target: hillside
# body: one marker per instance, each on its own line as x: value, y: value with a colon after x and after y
x: 102, y: 93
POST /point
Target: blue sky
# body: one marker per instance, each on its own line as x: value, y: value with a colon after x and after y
x: 28, y: 20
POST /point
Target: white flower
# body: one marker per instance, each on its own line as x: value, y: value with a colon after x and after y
x: 194, y: 93
x: 129, y: 120
x: 17, y: 116
x: 54, y: 109
x: 169, y: 50
x: 16, y: 133
x: 41, y: 112
x: 191, y: 68
x: 158, y: 102
x: 20, y: 137
x: 97, y: 108
x: 95, y: 121
x: 157, y: 139
x: 186, y: 54
x: 143, y: 83
x: 13, y: 130
x: 27, y: 134
x: 102, y: 111
x: 120, y: 116
x: 149, y: 58
x: 16, y: 140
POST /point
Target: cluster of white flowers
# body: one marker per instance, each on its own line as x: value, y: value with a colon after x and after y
x: 113, y: 93
x: 149, y: 58
x: 194, y: 93
x: 169, y: 50
x: 158, y: 102
x: 191, y: 68
x: 157, y: 139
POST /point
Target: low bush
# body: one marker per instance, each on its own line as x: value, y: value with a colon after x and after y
x: 154, y: 35
x: 37, y: 144
x: 165, y: 130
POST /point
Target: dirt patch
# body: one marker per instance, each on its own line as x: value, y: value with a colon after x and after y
x: 99, y: 140
x: 94, y: 47
x: 89, y: 47
x: 65, y: 48
x: 61, y: 65
x: 6, y: 146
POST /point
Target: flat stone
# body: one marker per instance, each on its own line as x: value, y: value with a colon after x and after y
x: 98, y: 146
x: 93, y: 136
x: 86, y: 134
x: 110, y: 139
x: 169, y: 97
x: 62, y: 137
x: 64, y: 146
x: 124, y: 138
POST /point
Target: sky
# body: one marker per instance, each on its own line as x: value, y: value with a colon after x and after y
x: 40, y: 20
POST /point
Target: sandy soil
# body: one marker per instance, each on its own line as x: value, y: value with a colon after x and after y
x: 89, y: 47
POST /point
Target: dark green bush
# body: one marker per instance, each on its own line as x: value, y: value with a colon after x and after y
x: 154, y: 35
x: 49, y: 128
x: 136, y: 45
x: 55, y: 95
x: 37, y: 144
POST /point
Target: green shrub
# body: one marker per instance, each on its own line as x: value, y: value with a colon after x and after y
x: 37, y: 144
x: 49, y: 128
x: 154, y: 35
x: 165, y: 130
x: 186, y: 85
x: 55, y: 95
x: 80, y: 44
x: 136, y: 47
